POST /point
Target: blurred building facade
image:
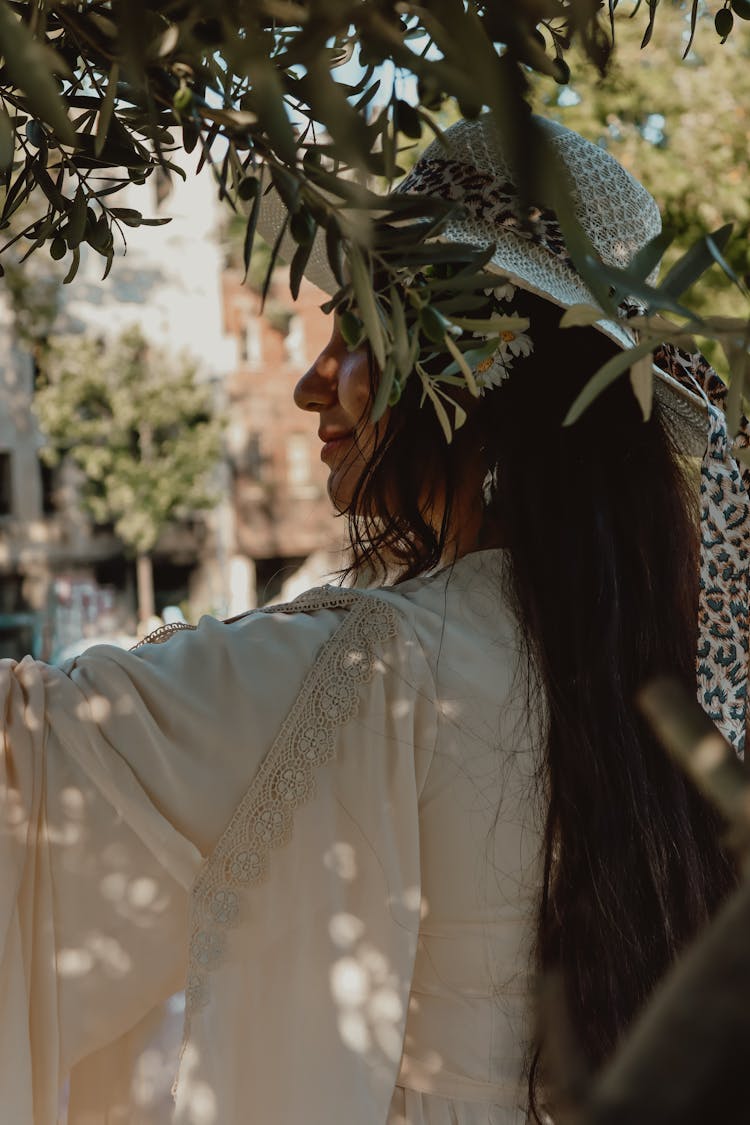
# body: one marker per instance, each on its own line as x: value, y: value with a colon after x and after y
x: 283, y: 517
x: 61, y: 578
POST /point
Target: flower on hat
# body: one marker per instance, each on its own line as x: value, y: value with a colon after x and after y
x: 515, y: 344
x: 503, y: 292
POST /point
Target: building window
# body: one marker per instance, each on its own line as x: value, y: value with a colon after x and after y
x: 251, y: 345
x: 298, y: 460
x: 6, y: 485
x: 254, y: 457
x: 294, y: 342
x: 12, y: 599
x: 49, y: 488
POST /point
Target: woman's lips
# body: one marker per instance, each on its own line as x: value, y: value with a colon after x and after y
x: 333, y: 444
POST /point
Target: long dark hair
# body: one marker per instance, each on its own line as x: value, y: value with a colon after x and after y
x: 600, y: 521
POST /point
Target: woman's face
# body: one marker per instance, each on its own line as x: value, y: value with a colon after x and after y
x: 337, y: 388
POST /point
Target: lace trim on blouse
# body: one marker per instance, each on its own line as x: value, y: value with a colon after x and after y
x: 263, y: 820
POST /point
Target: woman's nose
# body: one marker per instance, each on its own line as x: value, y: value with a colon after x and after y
x: 318, y: 387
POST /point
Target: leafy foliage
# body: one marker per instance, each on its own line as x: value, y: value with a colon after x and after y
x: 141, y: 430
x: 99, y: 93
x: 681, y: 130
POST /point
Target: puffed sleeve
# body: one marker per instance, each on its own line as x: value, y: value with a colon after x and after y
x: 305, y: 919
x: 118, y: 774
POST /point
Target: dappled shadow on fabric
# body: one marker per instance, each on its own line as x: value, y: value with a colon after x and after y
x: 92, y: 921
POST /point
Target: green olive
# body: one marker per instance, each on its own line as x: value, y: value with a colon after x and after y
x: 34, y: 133
x: 395, y: 393
x: 182, y: 98
x: 248, y: 188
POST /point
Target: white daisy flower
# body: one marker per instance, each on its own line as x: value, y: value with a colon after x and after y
x: 503, y: 292
x: 515, y: 344
x: 492, y: 372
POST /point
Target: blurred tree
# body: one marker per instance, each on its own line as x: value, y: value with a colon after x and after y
x: 141, y: 429
x: 683, y: 131
x: 101, y: 93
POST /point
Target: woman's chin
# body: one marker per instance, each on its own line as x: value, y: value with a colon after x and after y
x: 338, y: 493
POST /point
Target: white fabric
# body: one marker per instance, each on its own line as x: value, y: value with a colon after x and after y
x: 373, y: 968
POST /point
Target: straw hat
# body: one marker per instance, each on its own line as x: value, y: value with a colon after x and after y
x: 615, y: 211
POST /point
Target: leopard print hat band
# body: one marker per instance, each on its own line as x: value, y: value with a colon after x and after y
x: 723, y: 605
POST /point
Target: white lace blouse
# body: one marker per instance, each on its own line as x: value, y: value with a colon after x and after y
x: 317, y: 821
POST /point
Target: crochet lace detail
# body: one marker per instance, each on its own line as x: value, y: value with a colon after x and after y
x: 263, y: 820
x: 162, y: 634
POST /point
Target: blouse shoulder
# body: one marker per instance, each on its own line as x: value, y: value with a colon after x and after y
x: 197, y: 709
x: 357, y: 673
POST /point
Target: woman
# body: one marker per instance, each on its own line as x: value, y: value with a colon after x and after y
x: 351, y: 827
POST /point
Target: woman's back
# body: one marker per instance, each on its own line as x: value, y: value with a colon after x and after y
x: 468, y: 1026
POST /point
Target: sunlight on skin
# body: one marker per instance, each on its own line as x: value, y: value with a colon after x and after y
x: 337, y: 388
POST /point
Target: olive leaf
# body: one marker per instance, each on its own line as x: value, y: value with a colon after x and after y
x: 29, y: 64
x: 76, y: 220
x: 334, y: 249
x: 648, y: 257
x: 642, y: 382
x: 580, y: 316
x: 362, y: 283
x: 694, y: 262
x: 494, y: 324
x: 401, y: 341
x: 297, y: 267
x: 428, y: 391
x: 385, y: 385
x: 107, y: 106
x: 7, y: 139
x: 464, y: 367
x: 269, y: 105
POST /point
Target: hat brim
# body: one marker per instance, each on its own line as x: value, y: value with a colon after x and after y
x: 685, y: 413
